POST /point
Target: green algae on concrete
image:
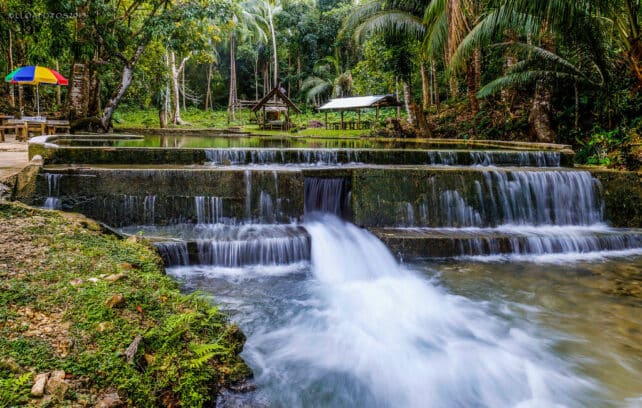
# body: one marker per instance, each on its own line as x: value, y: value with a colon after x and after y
x: 148, y: 195
x: 622, y: 193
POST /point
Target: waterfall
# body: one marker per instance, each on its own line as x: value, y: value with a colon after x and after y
x: 328, y: 195
x: 253, y: 244
x: 375, y: 334
x: 53, y: 202
x: 174, y: 253
x: 516, y: 197
x: 209, y: 210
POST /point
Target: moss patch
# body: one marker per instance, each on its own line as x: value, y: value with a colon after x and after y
x: 74, y: 299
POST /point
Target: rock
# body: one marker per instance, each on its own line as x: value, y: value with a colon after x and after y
x: 65, y: 347
x: 133, y: 348
x: 57, y: 385
x: 116, y: 300
x: 108, y: 400
x: 38, y: 389
x: 93, y: 280
x: 76, y: 282
x: 115, y: 277
x: 9, y: 364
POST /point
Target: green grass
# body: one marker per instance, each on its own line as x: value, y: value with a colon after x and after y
x: 199, y: 119
x: 189, y: 349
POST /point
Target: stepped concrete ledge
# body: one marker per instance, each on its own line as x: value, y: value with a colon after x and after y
x: 418, y: 243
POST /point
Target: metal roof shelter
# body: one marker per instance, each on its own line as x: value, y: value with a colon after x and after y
x: 271, y: 103
x: 356, y: 103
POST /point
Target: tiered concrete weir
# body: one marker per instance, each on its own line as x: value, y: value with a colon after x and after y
x: 423, y: 199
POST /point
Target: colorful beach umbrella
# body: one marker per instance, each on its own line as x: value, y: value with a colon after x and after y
x: 36, y: 75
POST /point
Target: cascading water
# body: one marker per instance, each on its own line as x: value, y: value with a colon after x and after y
x: 327, y: 195
x: 53, y: 202
x: 362, y: 330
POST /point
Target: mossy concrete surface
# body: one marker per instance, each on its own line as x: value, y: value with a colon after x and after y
x: 622, y: 193
x: 167, y: 195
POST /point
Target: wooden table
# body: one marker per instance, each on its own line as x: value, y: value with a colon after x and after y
x: 22, y: 127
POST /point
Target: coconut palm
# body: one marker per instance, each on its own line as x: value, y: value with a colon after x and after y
x: 396, y: 19
x: 533, y: 28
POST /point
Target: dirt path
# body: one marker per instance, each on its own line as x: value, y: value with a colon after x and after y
x: 13, y: 156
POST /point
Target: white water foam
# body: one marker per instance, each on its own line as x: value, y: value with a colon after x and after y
x: 376, y: 334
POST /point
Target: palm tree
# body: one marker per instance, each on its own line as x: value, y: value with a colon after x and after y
x: 535, y: 26
x: 327, y: 81
x: 248, y: 25
x: 396, y: 19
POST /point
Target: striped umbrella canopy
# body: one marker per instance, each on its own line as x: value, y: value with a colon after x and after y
x: 36, y: 75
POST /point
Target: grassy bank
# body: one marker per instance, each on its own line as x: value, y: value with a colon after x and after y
x: 73, y: 299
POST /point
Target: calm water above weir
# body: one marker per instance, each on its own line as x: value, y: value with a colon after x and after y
x: 354, y: 328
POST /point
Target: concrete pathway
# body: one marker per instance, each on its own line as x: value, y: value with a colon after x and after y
x: 13, y: 156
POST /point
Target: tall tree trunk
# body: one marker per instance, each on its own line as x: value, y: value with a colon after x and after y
x: 231, y: 103
x: 472, y: 89
x: 274, y: 50
x: 78, y: 93
x: 183, y: 89
x: 176, y: 71
x: 454, y: 87
x: 298, y: 73
x: 93, y: 102
x: 58, y: 101
x: 477, y: 62
x: 12, y: 97
x: 209, y: 83
x: 435, y: 83
x: 407, y: 96
x: 425, y: 91
x: 256, y: 77
x: 540, y: 115
x: 125, y: 82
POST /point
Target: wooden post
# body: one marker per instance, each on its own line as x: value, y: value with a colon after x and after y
x: 342, y: 120
x: 377, y: 116
x: 359, y: 119
x: 326, y: 119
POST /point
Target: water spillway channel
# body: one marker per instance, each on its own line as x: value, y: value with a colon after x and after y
x: 511, y: 274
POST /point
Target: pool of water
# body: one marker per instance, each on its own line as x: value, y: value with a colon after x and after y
x: 357, y: 329
x: 234, y: 141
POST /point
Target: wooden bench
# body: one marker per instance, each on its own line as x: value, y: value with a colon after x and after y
x: 53, y: 126
x: 23, y: 127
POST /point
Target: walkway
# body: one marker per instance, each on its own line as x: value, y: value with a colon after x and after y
x: 13, y: 156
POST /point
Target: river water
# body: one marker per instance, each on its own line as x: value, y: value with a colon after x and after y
x: 353, y: 328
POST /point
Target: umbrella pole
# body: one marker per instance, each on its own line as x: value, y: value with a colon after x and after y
x: 38, y: 98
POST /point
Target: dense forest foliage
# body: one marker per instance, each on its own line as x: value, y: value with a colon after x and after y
x: 543, y: 70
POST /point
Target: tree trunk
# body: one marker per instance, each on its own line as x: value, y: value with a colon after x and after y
x: 407, y: 96
x: 425, y: 92
x: 93, y: 102
x: 78, y: 93
x: 454, y: 88
x: 209, y: 83
x: 540, y: 115
x: 274, y: 50
x: 183, y: 88
x: 176, y: 71
x: 58, y: 101
x: 298, y: 73
x: 256, y: 77
x: 12, y: 98
x: 231, y: 103
x: 471, y: 85
x: 435, y: 83
x: 162, y: 118
x: 125, y: 82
